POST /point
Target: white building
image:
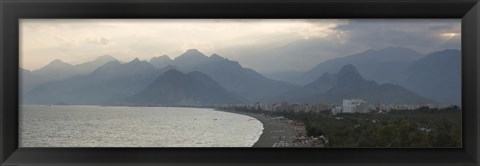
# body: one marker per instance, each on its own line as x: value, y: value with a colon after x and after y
x: 337, y: 110
x: 355, y: 105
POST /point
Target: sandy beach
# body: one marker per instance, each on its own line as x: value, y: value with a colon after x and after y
x: 277, y: 131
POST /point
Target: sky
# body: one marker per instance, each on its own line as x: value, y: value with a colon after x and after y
x: 265, y: 45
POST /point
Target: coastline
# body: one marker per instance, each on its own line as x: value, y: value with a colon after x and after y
x: 277, y: 131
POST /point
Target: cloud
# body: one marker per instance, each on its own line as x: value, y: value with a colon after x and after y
x: 347, y: 37
x: 261, y: 44
x: 100, y: 41
x: 421, y: 35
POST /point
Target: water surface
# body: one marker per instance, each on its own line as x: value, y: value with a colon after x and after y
x: 97, y: 126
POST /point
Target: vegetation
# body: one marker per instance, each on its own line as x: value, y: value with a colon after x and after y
x: 423, y: 127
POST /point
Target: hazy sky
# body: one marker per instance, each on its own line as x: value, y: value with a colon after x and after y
x: 264, y: 45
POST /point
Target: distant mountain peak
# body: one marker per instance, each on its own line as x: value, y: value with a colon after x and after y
x: 161, y: 61
x: 192, y: 53
x: 191, y: 58
x: 347, y: 69
x: 216, y: 57
x: 105, y: 58
x: 115, y: 62
x: 192, y: 50
x: 176, y: 88
x: 163, y: 57
x: 135, y: 60
x: 447, y: 52
x: 58, y: 62
x: 140, y: 64
x: 349, y: 75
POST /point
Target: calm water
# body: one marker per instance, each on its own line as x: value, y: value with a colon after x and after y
x: 96, y: 126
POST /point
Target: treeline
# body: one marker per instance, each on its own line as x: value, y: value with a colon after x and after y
x: 423, y: 127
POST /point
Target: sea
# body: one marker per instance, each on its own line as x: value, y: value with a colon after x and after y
x: 112, y: 126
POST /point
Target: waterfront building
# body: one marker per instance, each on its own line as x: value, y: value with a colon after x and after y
x: 337, y: 110
x: 354, y: 105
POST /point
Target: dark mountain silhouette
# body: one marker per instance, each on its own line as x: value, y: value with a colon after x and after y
x: 348, y: 83
x: 190, y: 59
x: 242, y: 81
x: 176, y: 88
x: 108, y: 82
x: 88, y: 67
x: 161, y: 61
x: 437, y: 76
x: 286, y: 76
x: 26, y: 80
x: 231, y: 75
x: 59, y: 70
x: 54, y: 71
x: 385, y: 65
x: 320, y: 86
x: 114, y: 81
x: 116, y: 69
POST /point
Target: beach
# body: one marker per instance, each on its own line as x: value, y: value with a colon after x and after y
x: 279, y: 132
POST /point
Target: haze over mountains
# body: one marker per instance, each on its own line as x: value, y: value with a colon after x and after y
x: 390, y: 75
x: 435, y: 76
x: 177, y: 88
x: 59, y: 70
x: 392, y: 61
x: 108, y: 82
x: 348, y: 84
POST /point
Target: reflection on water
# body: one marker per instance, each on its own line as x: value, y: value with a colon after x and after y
x: 96, y: 126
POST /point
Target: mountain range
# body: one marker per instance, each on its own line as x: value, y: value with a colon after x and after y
x: 59, y: 70
x: 384, y: 65
x: 348, y: 84
x: 436, y: 76
x: 231, y: 75
x: 195, y: 79
x: 177, y: 88
x: 108, y: 82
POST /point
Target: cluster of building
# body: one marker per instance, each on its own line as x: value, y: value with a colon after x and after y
x: 388, y: 107
x: 354, y: 105
x: 347, y: 106
x: 295, y: 107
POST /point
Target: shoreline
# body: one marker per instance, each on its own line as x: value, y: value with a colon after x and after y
x: 277, y: 131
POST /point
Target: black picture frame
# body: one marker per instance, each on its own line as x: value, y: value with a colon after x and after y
x: 13, y: 10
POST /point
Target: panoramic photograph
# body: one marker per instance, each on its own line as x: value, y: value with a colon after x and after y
x: 279, y: 83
